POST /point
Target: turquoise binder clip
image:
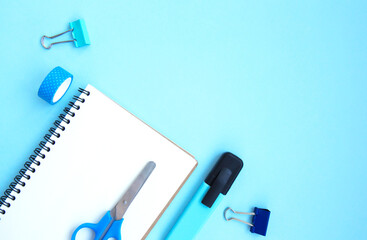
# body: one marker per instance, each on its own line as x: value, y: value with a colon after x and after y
x: 78, y: 31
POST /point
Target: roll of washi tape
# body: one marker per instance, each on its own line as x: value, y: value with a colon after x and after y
x: 55, y: 85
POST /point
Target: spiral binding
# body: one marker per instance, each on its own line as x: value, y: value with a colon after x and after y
x: 31, y: 165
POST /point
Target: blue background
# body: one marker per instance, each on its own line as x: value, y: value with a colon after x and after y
x: 281, y: 84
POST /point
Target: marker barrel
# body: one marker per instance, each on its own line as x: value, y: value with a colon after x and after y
x: 194, y: 216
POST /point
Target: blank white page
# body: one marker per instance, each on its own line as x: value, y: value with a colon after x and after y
x: 92, y: 164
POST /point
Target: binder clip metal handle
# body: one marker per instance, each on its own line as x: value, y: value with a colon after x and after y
x: 260, y: 219
x: 55, y: 36
x: 237, y: 219
x: 78, y: 31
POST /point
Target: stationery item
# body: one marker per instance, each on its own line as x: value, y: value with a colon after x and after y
x: 78, y: 31
x: 91, y: 155
x: 260, y: 219
x: 55, y: 85
x: 110, y: 225
x: 207, y: 198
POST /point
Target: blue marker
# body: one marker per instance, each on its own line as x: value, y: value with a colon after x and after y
x: 207, y: 198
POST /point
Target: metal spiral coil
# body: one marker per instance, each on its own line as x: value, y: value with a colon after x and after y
x: 68, y: 111
x: 73, y: 105
x: 63, y: 118
x: 31, y: 165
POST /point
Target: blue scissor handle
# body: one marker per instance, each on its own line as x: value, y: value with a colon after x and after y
x: 99, y: 228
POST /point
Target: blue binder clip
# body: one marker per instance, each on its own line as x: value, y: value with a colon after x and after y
x: 78, y: 31
x: 260, y: 219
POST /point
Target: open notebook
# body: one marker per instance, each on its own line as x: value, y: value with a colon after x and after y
x: 94, y: 159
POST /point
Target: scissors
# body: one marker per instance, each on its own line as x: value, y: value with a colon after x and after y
x: 110, y: 225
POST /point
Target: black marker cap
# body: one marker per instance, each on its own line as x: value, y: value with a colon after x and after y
x: 221, y: 177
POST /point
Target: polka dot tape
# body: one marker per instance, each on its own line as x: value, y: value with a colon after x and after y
x: 55, y: 85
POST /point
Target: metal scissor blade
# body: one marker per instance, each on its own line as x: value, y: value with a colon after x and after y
x: 122, y: 205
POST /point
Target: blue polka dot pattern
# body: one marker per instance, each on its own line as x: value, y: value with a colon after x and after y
x: 52, y: 82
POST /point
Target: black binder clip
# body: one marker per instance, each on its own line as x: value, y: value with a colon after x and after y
x: 260, y: 219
